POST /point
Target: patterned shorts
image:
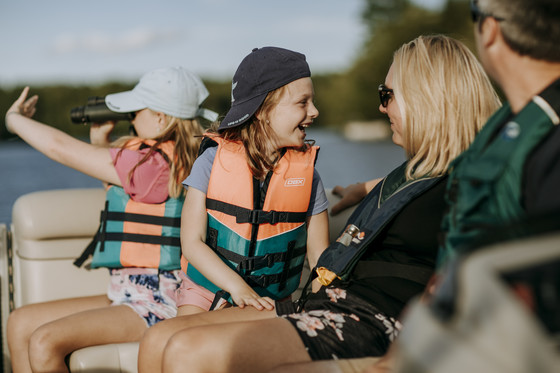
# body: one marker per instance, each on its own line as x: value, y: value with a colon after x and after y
x: 148, y: 291
x: 335, y: 324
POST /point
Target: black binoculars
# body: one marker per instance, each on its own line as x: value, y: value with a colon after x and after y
x: 96, y: 111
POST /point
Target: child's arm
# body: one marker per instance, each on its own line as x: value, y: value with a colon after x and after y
x: 90, y: 159
x: 317, y: 236
x: 203, y: 258
x: 317, y: 241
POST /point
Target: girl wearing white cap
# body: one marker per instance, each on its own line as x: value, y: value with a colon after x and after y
x: 143, y: 175
x: 255, y: 205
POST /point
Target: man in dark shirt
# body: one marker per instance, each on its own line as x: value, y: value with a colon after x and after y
x: 512, y: 170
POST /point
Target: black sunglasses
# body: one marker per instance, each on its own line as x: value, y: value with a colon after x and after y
x: 477, y: 14
x: 385, y: 94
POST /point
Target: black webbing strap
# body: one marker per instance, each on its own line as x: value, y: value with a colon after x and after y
x: 244, y: 215
x: 99, y: 237
x: 142, y: 218
x: 265, y: 280
x: 143, y: 238
x: 86, y: 253
x: 285, y: 270
x: 369, y: 269
x: 219, y: 295
x: 257, y: 262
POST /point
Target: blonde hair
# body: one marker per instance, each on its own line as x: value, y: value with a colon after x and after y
x: 258, y: 137
x: 186, y: 134
x: 444, y: 97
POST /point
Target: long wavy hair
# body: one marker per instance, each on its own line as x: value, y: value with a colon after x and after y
x: 186, y: 134
x: 258, y: 137
x: 444, y: 97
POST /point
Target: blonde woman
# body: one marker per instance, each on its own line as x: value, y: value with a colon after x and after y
x: 143, y: 175
x: 437, y: 97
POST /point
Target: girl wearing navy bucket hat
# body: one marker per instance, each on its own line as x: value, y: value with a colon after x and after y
x: 138, y: 239
x: 255, y: 206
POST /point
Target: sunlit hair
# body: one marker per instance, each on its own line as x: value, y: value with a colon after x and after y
x: 186, y: 133
x: 529, y: 27
x: 258, y: 138
x: 444, y: 97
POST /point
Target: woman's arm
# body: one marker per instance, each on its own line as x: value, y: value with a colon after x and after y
x: 352, y: 194
x: 90, y: 159
x: 203, y: 258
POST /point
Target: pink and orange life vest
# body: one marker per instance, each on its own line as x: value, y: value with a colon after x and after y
x: 137, y: 234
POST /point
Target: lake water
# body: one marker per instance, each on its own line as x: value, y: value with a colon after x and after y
x: 341, y: 162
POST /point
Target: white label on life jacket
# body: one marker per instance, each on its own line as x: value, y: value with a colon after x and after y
x: 294, y: 182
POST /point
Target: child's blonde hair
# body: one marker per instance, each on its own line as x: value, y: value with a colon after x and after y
x: 186, y: 133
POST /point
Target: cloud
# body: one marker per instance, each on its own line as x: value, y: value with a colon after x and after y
x: 105, y: 43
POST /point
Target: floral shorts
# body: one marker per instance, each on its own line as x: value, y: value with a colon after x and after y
x: 148, y: 291
x: 335, y: 324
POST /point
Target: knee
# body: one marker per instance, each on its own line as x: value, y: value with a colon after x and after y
x: 154, y: 339
x: 187, y: 345
x: 19, y: 327
x: 18, y: 321
x: 42, y: 348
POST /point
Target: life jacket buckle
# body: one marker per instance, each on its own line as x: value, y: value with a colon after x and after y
x: 270, y: 260
x: 263, y: 281
x: 268, y: 217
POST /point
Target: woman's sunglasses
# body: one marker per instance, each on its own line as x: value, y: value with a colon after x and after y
x: 385, y: 94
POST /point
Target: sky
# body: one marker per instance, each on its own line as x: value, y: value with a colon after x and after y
x: 95, y: 41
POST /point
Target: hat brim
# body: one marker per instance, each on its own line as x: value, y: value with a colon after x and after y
x: 242, y: 112
x: 124, y: 102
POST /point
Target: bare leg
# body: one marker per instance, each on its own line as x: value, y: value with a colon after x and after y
x: 51, y: 342
x: 23, y: 321
x: 154, y: 340
x: 357, y: 365
x: 323, y: 366
x: 152, y: 345
x: 251, y: 346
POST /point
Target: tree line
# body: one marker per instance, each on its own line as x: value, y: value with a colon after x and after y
x: 341, y: 97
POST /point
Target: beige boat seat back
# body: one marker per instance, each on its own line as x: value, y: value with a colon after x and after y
x: 50, y: 230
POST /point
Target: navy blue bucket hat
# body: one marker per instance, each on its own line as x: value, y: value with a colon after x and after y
x: 262, y: 71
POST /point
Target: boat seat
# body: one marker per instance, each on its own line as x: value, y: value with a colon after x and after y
x: 50, y: 230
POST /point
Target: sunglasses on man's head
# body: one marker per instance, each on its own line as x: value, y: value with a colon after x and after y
x: 385, y: 94
x: 477, y: 14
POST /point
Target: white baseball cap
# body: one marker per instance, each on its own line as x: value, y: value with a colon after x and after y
x: 174, y: 91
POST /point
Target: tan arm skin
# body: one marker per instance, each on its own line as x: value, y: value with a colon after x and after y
x: 352, y: 194
x: 91, y: 159
x: 203, y: 258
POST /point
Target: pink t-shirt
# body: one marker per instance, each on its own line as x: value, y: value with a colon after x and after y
x: 148, y: 183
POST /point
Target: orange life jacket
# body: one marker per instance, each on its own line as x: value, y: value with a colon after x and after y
x: 260, y: 232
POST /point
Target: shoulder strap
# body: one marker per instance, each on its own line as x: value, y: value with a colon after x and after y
x: 369, y: 219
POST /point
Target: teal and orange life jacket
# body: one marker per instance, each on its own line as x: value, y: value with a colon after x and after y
x: 137, y: 234
x: 259, y: 231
